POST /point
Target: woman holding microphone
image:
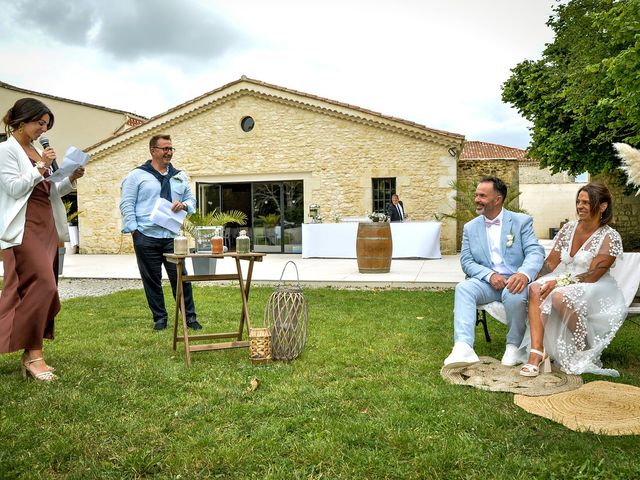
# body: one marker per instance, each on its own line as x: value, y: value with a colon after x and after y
x: 32, y: 222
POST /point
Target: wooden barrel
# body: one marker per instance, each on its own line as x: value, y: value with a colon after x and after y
x: 374, y: 247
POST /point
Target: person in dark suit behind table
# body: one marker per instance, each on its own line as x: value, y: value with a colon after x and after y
x: 395, y: 210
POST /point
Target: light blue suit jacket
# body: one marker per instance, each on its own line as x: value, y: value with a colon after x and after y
x: 525, y: 255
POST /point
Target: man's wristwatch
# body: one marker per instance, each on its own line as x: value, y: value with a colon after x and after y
x: 41, y: 164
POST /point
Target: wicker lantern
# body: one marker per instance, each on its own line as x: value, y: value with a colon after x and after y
x: 259, y: 345
x: 286, y: 315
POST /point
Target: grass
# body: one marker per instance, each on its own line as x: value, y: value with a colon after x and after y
x: 365, y: 400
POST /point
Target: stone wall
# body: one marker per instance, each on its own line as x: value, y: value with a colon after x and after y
x: 335, y: 156
x: 531, y: 173
x: 626, y: 210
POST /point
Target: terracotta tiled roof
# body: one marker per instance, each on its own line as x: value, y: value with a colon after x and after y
x: 473, y: 150
x: 134, y: 122
x: 132, y: 117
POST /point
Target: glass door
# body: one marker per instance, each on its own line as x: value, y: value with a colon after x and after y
x: 275, y: 212
x: 209, y: 197
x: 267, y: 217
x: 293, y: 215
x: 278, y: 214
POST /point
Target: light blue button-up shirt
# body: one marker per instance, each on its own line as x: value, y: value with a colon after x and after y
x: 140, y: 191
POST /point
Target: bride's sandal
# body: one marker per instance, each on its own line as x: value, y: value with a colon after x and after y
x: 45, y: 376
x: 533, y: 370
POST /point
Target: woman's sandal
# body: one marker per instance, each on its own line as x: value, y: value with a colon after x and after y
x: 45, y: 376
x: 531, y: 370
x: 49, y: 367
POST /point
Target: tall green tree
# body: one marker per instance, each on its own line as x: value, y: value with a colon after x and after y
x: 584, y: 93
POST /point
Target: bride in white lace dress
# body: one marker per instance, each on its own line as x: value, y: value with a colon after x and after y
x: 575, y: 305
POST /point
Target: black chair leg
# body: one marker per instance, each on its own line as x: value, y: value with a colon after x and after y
x: 481, y: 318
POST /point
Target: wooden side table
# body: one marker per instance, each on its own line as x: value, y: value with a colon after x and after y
x: 244, y: 285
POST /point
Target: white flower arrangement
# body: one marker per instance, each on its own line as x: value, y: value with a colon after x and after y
x: 377, y: 217
x: 510, y: 238
x: 565, y: 279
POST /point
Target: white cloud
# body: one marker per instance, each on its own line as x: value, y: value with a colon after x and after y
x: 437, y: 63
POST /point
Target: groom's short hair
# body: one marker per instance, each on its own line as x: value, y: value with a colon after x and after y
x: 498, y: 185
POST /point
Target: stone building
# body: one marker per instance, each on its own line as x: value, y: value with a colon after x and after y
x: 76, y: 123
x: 273, y: 152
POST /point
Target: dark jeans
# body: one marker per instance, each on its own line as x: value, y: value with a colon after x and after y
x: 149, y: 253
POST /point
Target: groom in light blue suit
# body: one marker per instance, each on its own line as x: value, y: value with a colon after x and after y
x: 500, y: 257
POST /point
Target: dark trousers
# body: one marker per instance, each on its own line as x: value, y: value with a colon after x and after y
x: 149, y: 253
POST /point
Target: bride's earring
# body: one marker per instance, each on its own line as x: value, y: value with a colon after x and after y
x: 21, y: 128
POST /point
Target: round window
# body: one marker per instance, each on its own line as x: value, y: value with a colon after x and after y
x: 247, y: 124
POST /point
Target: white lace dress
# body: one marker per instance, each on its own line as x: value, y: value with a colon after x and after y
x: 595, y: 311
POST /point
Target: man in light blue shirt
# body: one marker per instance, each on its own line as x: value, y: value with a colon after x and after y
x: 141, y: 188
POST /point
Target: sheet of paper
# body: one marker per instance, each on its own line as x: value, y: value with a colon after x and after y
x: 163, y: 215
x: 73, y: 158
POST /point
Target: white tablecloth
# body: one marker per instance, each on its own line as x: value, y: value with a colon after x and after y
x: 338, y: 240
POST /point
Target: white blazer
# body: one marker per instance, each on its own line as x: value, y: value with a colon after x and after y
x: 18, y: 177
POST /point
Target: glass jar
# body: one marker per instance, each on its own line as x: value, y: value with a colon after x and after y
x: 203, y: 238
x: 180, y: 245
x: 217, y: 242
x: 243, y: 244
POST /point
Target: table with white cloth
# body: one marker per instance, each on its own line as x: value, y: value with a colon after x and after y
x: 338, y: 240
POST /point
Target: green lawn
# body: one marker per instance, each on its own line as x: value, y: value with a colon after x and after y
x: 365, y: 400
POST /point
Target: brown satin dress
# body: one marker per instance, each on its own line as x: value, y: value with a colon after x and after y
x: 29, y: 300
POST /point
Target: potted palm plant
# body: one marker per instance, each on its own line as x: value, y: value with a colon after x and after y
x: 201, y: 228
x: 269, y: 222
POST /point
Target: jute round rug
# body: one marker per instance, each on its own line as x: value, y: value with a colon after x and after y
x: 490, y: 374
x: 600, y: 407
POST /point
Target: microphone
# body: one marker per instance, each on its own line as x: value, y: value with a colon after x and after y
x: 44, y: 141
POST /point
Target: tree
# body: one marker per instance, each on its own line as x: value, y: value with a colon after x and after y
x: 584, y: 93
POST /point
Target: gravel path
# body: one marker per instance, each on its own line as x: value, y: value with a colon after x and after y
x: 94, y: 287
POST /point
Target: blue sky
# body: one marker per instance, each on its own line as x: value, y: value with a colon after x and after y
x: 440, y: 64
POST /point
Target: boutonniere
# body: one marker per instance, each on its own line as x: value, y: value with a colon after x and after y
x: 509, y: 239
x: 177, y: 178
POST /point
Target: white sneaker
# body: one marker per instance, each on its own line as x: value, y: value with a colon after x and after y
x: 462, y: 355
x: 510, y: 357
